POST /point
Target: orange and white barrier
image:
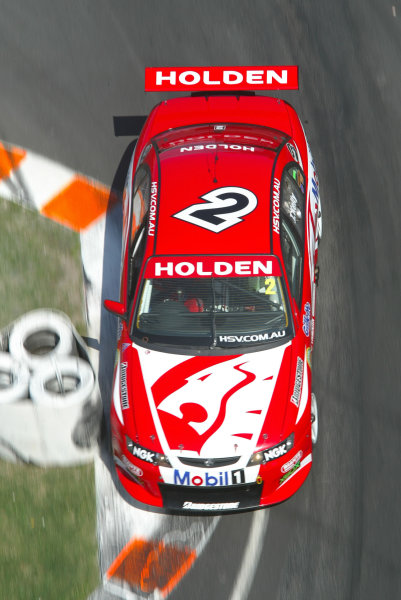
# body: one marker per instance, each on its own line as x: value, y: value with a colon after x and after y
x: 54, y: 190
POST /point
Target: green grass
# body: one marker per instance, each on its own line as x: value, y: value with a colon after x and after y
x: 47, y: 531
x: 40, y: 266
x: 48, y: 547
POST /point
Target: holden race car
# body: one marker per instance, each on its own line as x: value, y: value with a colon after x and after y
x: 212, y: 408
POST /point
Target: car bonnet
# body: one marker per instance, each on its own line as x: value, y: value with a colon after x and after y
x: 211, y: 406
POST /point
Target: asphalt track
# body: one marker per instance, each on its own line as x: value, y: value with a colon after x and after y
x: 66, y: 68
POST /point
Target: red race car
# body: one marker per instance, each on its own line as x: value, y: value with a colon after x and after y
x: 212, y: 408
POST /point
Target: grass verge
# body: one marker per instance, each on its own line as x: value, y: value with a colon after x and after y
x: 40, y: 266
x: 48, y: 547
x: 47, y: 529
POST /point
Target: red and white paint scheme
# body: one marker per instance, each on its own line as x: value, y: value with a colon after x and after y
x: 212, y: 407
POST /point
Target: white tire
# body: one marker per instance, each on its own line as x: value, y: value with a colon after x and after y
x: 69, y: 381
x: 40, y: 336
x: 314, y: 419
x: 14, y: 379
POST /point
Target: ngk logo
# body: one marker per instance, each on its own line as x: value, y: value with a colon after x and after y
x: 273, y: 453
x: 142, y: 453
x: 221, y: 78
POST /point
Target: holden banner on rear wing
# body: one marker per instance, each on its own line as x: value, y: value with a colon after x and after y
x: 214, y: 79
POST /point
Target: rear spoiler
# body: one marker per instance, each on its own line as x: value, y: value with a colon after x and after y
x: 221, y: 79
x: 209, y: 81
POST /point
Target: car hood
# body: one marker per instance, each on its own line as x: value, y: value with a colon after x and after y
x: 210, y: 406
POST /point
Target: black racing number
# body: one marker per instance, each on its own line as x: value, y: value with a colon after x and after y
x: 225, y: 207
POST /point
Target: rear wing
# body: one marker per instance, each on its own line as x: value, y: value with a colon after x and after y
x: 221, y: 79
x: 203, y: 81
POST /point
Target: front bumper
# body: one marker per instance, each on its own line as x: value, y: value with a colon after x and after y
x: 272, y: 487
x: 206, y: 499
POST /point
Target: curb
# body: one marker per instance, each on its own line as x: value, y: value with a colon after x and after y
x: 55, y: 191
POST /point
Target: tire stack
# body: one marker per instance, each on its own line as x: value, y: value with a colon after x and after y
x: 47, y: 390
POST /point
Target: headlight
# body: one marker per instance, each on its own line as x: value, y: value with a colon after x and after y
x: 263, y: 456
x: 149, y: 456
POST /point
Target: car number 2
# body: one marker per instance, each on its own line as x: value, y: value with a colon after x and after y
x: 225, y: 207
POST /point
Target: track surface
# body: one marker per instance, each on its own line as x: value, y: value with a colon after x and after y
x: 67, y: 68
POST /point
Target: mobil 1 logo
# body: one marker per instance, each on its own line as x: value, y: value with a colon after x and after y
x: 212, y: 478
x: 224, y: 208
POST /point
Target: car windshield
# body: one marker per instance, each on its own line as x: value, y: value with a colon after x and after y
x: 214, y: 311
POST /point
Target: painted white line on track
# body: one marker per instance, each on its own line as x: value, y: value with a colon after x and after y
x: 251, y: 556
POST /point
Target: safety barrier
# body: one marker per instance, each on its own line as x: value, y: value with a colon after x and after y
x: 50, y: 405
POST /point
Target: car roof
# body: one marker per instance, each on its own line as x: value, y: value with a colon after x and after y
x: 185, y: 178
x: 191, y: 160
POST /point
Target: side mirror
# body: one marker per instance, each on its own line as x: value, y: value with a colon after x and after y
x: 116, y: 308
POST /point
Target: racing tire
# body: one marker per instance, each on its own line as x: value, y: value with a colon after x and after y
x: 314, y: 419
x: 40, y: 336
x: 68, y: 381
x: 14, y: 379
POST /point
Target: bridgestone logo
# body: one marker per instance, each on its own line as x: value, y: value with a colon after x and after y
x: 298, y: 382
x: 216, y: 506
x: 124, y: 392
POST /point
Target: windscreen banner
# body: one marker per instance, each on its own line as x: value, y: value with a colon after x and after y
x: 212, y: 266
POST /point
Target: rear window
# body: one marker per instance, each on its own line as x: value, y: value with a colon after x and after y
x: 220, y: 136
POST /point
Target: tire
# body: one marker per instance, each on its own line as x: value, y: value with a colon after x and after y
x: 40, y: 336
x: 68, y: 381
x: 314, y: 419
x: 14, y: 379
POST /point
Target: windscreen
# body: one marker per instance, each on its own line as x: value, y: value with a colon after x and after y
x: 213, y: 311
